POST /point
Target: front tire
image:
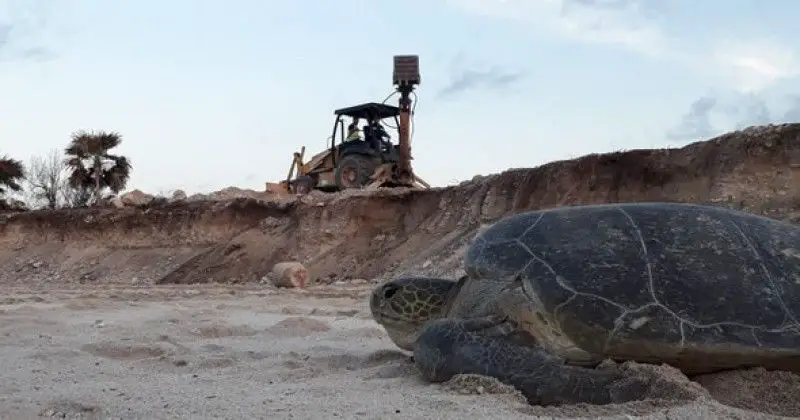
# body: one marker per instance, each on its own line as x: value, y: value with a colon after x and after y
x: 303, y: 184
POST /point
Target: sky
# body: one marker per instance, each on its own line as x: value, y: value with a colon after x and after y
x: 210, y: 94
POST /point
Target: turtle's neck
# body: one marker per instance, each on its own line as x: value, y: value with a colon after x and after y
x: 452, y: 295
x: 469, y: 297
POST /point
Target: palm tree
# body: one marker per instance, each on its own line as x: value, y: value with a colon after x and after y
x: 11, y: 172
x: 93, y: 167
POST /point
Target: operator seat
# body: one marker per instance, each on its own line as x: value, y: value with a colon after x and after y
x: 371, y: 137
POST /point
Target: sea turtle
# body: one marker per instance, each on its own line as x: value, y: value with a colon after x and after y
x: 549, y: 294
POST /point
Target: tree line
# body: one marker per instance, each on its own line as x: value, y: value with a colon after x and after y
x: 78, y: 176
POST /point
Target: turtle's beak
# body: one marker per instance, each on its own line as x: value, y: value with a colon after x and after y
x: 379, y: 300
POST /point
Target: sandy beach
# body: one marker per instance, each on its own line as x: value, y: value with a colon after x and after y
x: 258, y: 352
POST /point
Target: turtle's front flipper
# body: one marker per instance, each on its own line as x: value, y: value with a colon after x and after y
x: 492, y: 347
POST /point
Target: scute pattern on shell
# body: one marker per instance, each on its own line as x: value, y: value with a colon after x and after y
x: 657, y: 273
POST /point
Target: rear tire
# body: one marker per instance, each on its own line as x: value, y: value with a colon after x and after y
x: 354, y: 171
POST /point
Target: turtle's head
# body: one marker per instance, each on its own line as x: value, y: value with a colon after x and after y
x: 404, y: 305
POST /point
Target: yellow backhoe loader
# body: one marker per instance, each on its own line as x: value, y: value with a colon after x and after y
x: 368, y: 161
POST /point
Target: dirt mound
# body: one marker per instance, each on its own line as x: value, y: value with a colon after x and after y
x: 375, y: 234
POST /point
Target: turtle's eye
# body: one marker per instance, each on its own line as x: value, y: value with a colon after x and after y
x: 389, y: 290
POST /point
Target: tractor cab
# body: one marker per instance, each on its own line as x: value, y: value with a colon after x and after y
x: 374, y: 140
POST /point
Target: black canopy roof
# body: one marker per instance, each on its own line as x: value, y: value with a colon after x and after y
x: 368, y: 110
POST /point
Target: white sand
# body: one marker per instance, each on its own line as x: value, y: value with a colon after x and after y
x: 212, y: 352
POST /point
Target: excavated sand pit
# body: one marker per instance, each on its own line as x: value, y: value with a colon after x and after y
x: 162, y: 312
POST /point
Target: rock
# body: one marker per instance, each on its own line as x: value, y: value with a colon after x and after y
x: 117, y: 202
x: 289, y: 274
x: 136, y: 198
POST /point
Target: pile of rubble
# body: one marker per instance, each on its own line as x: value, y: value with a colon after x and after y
x: 138, y: 198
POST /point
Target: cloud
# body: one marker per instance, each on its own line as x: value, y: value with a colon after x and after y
x: 749, y: 110
x: 753, y: 65
x: 21, y: 28
x: 792, y: 113
x: 471, y: 79
x: 696, y: 123
x: 5, y: 34
x: 36, y: 54
x: 613, y: 22
x: 743, y: 65
x: 732, y: 111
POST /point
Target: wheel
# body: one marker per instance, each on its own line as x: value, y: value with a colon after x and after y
x: 354, y: 171
x: 303, y: 184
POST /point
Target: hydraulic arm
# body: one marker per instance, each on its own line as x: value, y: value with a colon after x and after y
x: 405, y: 78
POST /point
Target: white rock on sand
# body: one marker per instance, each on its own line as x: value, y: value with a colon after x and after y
x: 215, y: 352
x: 289, y: 274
